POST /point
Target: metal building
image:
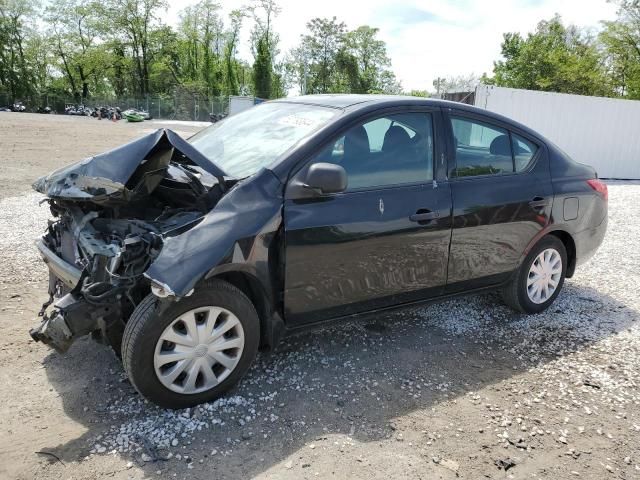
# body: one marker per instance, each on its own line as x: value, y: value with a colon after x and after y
x: 602, y: 132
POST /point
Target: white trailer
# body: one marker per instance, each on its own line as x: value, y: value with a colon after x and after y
x: 239, y: 104
x: 601, y: 132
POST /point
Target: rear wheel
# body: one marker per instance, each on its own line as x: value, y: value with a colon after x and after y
x: 194, y: 350
x: 539, y: 279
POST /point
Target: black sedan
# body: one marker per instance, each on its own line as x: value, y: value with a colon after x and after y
x: 188, y: 256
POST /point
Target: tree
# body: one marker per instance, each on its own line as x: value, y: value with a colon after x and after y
x: 333, y: 60
x: 262, y: 69
x: 134, y: 21
x: 75, y: 28
x: 231, y: 64
x: 16, y: 74
x: 283, y: 78
x: 370, y: 55
x: 263, y: 12
x: 37, y: 52
x: 264, y: 47
x: 347, y: 75
x: 88, y: 49
x: 318, y: 53
x: 298, y: 61
x: 621, y: 42
x: 120, y: 70
x: 389, y: 84
x: 165, y: 71
x: 201, y: 41
x: 554, y: 58
x: 418, y: 93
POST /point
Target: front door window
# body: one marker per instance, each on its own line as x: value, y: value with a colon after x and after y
x: 390, y: 150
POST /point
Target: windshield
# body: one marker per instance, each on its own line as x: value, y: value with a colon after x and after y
x: 244, y: 143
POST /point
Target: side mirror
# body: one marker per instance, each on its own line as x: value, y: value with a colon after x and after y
x: 326, y: 178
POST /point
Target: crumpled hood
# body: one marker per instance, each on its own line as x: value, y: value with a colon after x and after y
x: 120, y: 174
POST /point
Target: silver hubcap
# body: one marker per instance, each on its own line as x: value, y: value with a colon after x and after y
x: 544, y: 275
x: 198, y: 350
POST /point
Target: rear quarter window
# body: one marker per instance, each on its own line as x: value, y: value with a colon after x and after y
x: 523, y: 152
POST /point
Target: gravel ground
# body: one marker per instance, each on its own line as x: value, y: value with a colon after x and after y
x: 464, y: 388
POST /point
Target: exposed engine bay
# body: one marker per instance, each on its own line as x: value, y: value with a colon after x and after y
x: 112, y: 214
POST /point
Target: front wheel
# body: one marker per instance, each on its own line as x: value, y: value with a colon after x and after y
x: 539, y: 279
x: 191, y: 351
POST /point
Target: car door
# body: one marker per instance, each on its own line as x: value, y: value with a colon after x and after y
x: 502, y: 198
x: 385, y: 239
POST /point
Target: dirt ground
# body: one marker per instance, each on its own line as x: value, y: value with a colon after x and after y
x: 464, y: 388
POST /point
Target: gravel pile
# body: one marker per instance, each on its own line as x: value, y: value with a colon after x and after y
x: 570, y: 365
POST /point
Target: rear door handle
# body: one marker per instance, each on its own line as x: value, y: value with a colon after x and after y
x: 538, y: 202
x: 424, y: 216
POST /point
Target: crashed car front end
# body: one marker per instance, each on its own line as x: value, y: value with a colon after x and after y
x: 112, y: 215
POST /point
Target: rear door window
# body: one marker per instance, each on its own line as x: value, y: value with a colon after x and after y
x: 480, y: 149
x: 484, y: 149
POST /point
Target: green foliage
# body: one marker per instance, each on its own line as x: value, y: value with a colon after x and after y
x: 199, y: 46
x: 418, y: 93
x: 262, y: 69
x: 19, y: 71
x: 230, y: 62
x: 331, y: 59
x: 555, y: 58
x: 370, y: 59
x: 319, y: 54
x: 136, y: 20
x: 621, y: 42
x: 84, y: 48
x: 74, y: 28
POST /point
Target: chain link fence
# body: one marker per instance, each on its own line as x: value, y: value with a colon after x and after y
x: 178, y: 107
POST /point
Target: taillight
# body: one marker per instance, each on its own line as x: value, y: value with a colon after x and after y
x: 600, y: 187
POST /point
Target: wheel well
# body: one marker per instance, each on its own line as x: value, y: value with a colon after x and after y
x: 253, y: 290
x: 570, y: 246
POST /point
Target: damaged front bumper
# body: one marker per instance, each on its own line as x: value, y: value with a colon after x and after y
x: 70, y: 317
x: 54, y: 330
x: 67, y: 273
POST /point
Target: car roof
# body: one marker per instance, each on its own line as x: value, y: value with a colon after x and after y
x: 354, y: 102
x: 347, y: 100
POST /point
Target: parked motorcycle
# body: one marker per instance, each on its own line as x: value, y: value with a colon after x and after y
x: 112, y: 113
x: 18, y: 107
x: 216, y: 117
x: 81, y: 110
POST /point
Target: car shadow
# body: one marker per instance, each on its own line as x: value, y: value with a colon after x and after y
x: 355, y: 379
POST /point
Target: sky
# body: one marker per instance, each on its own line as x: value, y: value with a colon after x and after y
x: 427, y: 39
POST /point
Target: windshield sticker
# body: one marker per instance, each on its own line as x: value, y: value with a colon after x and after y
x: 296, y: 121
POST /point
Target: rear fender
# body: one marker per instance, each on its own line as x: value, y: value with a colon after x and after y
x: 563, y: 235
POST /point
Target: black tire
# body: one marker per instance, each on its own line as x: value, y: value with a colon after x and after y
x: 150, y: 319
x: 515, y: 294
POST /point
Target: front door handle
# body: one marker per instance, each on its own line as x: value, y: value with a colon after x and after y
x: 424, y: 215
x: 538, y: 202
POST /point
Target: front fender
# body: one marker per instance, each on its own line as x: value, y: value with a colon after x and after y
x: 237, y: 234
